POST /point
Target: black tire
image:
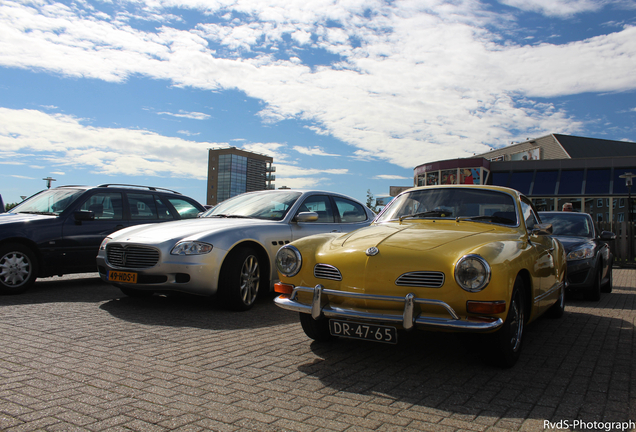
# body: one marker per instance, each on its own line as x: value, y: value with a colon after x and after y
x: 508, y: 340
x: 595, y: 292
x: 317, y: 330
x: 607, y: 288
x: 240, y: 280
x: 18, y: 268
x: 557, y: 309
x: 136, y: 293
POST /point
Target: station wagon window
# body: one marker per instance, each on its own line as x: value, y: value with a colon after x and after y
x: 319, y: 204
x: 185, y: 209
x: 105, y: 206
x: 350, y: 211
x: 163, y: 211
x: 142, y: 207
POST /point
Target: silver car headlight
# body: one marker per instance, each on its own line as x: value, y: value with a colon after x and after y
x: 584, y: 252
x: 191, y: 248
x: 289, y: 261
x: 104, y: 243
x: 472, y: 273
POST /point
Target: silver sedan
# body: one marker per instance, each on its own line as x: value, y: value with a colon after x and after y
x: 229, y: 251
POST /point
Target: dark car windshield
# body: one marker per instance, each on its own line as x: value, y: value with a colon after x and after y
x: 49, y: 202
x: 270, y: 205
x: 569, y: 224
x: 452, y: 203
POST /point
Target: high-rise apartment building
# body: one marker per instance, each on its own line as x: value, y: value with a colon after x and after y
x: 232, y: 171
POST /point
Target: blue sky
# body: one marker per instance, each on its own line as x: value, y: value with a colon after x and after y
x: 346, y: 95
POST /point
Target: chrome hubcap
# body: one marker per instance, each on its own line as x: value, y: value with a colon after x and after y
x: 14, y: 269
x: 250, y: 279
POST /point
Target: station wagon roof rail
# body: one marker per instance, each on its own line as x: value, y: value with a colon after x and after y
x: 152, y: 188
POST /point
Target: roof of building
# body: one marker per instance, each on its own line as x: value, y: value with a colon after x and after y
x: 581, y: 147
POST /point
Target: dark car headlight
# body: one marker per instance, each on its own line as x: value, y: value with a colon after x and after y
x: 583, y: 252
x: 191, y: 248
x: 472, y: 273
x: 289, y: 261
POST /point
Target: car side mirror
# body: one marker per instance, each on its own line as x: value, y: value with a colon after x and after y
x: 607, y: 236
x: 306, y: 217
x: 84, y: 215
x: 542, y: 229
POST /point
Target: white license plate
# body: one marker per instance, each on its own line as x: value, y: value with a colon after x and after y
x: 356, y: 330
x: 125, y: 277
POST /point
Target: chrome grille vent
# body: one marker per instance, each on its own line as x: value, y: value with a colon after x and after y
x: 138, y: 257
x: 425, y: 279
x: 326, y: 271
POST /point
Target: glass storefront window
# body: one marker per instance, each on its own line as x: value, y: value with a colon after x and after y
x: 597, y: 182
x: 449, y: 177
x: 543, y: 204
x: 571, y: 182
x: 521, y: 181
x: 619, y: 183
x: 545, y: 182
x: 432, y: 178
x: 469, y: 176
x: 500, y: 178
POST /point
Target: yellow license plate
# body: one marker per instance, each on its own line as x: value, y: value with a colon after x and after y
x: 119, y: 276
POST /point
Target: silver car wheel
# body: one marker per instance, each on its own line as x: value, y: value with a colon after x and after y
x: 250, y: 280
x: 15, y: 269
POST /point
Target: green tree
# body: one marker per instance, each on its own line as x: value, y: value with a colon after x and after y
x: 10, y: 206
x: 372, y: 202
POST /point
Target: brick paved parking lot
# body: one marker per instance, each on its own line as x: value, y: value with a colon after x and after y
x: 77, y: 355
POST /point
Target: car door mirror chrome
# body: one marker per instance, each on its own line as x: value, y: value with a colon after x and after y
x: 306, y: 217
x: 542, y: 229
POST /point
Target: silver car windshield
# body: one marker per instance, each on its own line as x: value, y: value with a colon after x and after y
x: 49, y: 202
x: 569, y: 224
x: 257, y: 205
x: 468, y: 204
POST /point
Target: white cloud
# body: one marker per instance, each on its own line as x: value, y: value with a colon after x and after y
x: 416, y: 81
x: 64, y: 141
x: 391, y: 177
x: 558, y: 8
x: 185, y: 114
x: 313, y: 151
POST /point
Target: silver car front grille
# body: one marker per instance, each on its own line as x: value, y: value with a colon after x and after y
x: 136, y: 257
x: 326, y: 271
x: 426, y: 279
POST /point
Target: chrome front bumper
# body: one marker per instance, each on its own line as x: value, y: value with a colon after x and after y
x: 321, y: 307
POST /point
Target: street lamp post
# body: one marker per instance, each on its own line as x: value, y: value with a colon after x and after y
x: 628, y: 176
x: 48, y: 181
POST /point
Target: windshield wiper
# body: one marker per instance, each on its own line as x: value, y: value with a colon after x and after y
x: 495, y: 219
x: 431, y: 213
x: 231, y: 216
x: 40, y: 213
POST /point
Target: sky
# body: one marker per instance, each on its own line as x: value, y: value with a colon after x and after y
x: 345, y: 95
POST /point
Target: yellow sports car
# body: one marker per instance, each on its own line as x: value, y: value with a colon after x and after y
x: 450, y: 258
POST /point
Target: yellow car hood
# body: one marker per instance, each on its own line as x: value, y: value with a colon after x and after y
x: 421, y: 236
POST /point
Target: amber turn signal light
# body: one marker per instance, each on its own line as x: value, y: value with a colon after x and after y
x: 282, y: 288
x: 485, y: 307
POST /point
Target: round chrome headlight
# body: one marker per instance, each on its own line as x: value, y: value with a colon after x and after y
x: 288, y: 261
x: 472, y: 273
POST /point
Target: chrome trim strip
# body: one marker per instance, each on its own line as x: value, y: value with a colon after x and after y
x: 555, y: 287
x: 320, y: 307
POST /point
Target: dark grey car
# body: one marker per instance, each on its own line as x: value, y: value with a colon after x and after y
x: 588, y: 254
